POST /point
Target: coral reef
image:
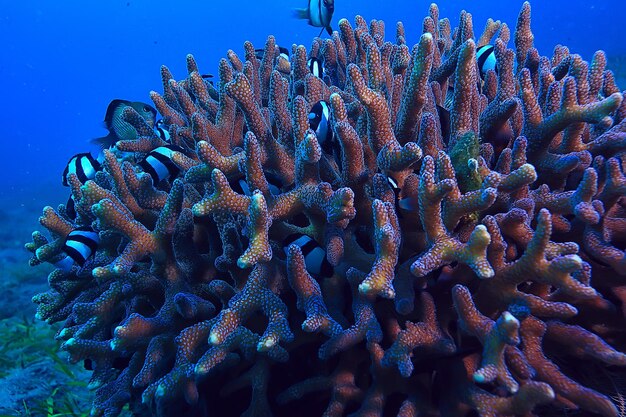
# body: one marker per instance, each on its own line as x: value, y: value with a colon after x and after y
x: 453, y: 243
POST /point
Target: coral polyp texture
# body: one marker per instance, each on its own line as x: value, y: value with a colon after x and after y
x: 442, y: 239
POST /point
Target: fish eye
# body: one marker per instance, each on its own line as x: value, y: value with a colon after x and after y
x: 146, y: 108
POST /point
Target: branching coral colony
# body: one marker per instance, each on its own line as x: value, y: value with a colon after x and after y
x: 453, y: 241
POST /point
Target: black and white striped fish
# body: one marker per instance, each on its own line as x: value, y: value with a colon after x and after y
x: 486, y: 59
x: 314, y: 255
x: 79, y: 245
x: 316, y: 67
x: 158, y: 163
x: 83, y: 165
x: 161, y: 130
x: 319, y: 122
x: 319, y: 13
x: 406, y: 203
x: 240, y: 186
x: 396, y: 193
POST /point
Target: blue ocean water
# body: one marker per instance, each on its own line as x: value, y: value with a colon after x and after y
x: 63, y: 61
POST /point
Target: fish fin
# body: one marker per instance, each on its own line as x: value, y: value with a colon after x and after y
x: 105, y: 142
x: 409, y: 204
x: 329, y: 30
x: 320, y: 34
x: 301, y: 13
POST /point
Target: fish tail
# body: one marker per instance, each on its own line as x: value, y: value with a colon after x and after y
x: 105, y: 142
x: 409, y: 204
x: 301, y: 13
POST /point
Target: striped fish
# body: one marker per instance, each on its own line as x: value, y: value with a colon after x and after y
x: 319, y: 13
x: 396, y: 193
x: 79, y: 245
x: 314, y: 256
x: 486, y: 59
x: 406, y: 203
x: 158, y: 163
x: 162, y: 131
x: 83, y: 165
x: 240, y: 186
x: 319, y: 122
x: 315, y: 66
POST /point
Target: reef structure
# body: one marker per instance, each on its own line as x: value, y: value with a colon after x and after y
x: 454, y: 242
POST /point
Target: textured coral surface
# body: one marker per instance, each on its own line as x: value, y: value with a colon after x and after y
x: 471, y: 225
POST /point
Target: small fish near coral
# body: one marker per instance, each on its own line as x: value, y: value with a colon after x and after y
x: 314, y: 255
x: 162, y: 131
x: 159, y: 165
x: 319, y: 122
x: 350, y: 244
x: 80, y: 244
x: 315, y: 66
x: 319, y: 13
x: 118, y: 128
x: 486, y: 60
x: 83, y: 165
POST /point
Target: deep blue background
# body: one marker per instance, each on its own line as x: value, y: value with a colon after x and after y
x: 63, y: 61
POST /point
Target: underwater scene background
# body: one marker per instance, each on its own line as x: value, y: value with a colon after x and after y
x: 406, y: 322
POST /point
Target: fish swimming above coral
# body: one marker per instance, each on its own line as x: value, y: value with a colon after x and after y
x: 118, y: 128
x: 319, y: 13
x: 425, y: 263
